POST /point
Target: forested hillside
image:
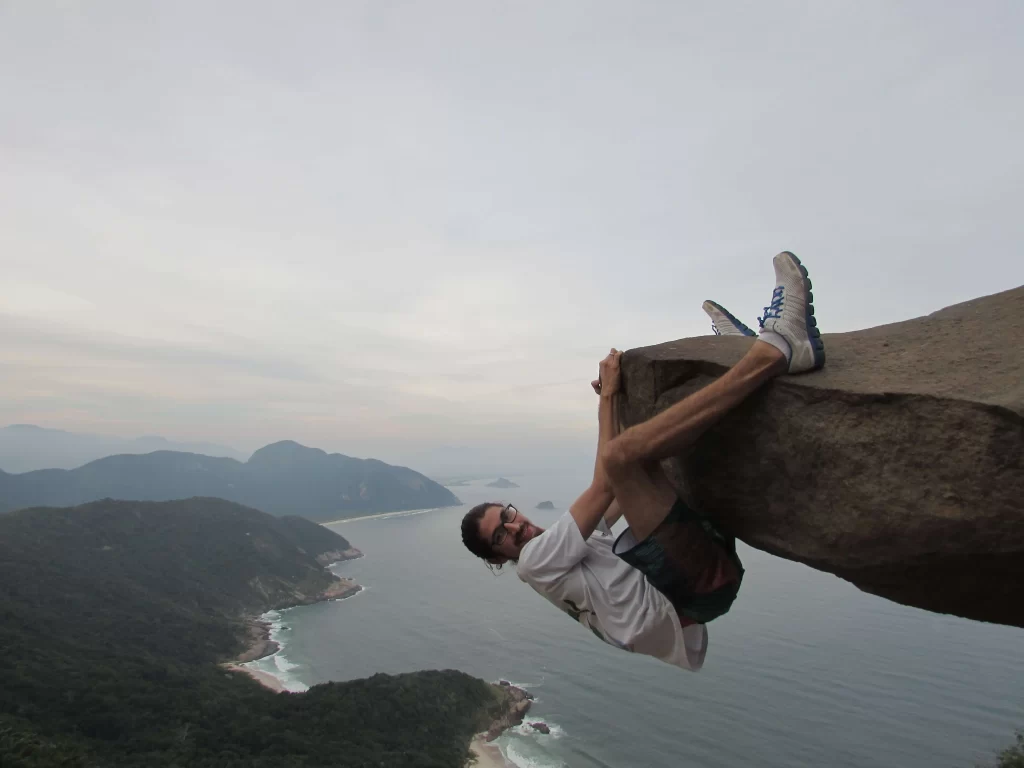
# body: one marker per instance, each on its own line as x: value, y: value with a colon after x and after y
x: 113, y: 617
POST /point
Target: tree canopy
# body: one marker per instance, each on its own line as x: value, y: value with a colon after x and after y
x: 113, y: 617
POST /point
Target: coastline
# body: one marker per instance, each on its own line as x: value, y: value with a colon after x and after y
x: 517, y: 702
x: 339, y: 590
x: 260, y: 643
x: 265, y: 679
x: 380, y: 515
x: 486, y: 755
x: 327, y: 559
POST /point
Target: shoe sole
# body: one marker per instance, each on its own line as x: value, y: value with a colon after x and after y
x: 810, y: 322
x: 731, y: 317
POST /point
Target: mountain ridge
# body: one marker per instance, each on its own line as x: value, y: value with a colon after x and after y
x: 28, y: 447
x: 280, y: 478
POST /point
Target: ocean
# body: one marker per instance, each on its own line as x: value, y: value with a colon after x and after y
x: 805, y: 670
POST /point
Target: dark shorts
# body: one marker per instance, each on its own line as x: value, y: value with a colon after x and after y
x: 688, y: 560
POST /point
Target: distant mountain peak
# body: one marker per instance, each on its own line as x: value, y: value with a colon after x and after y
x: 286, y: 451
x: 28, y: 447
x: 284, y: 478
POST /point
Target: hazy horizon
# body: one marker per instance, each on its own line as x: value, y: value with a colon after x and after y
x: 410, y: 232
x: 30, y: 447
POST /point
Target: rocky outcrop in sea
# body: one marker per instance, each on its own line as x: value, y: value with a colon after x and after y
x: 338, y: 556
x: 517, y: 704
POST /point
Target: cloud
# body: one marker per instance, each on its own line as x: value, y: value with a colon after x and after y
x: 379, y: 228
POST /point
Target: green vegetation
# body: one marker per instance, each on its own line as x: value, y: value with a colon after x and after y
x: 1012, y: 756
x: 113, y: 617
x: 283, y: 479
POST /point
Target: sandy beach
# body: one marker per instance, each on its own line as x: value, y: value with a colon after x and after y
x: 380, y: 516
x: 487, y: 755
x: 264, y: 679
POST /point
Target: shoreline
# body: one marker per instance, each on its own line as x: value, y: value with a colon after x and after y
x: 260, y: 644
x: 517, y: 703
x: 341, y: 589
x: 379, y: 515
x: 483, y: 753
x: 258, y: 629
x: 327, y: 559
x: 487, y: 755
x: 265, y: 679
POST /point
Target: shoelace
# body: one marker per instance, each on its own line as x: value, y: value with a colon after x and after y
x: 774, y: 310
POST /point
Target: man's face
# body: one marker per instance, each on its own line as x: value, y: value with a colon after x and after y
x: 507, y: 538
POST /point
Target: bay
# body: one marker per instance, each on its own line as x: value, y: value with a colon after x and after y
x: 806, y: 670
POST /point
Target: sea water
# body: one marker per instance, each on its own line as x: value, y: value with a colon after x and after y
x: 804, y: 671
x: 278, y: 664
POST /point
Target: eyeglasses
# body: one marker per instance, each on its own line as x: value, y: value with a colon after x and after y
x: 508, y: 514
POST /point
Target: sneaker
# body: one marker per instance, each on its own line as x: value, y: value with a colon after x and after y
x: 723, y: 322
x: 789, y: 319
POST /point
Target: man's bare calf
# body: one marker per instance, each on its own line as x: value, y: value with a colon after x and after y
x: 627, y: 459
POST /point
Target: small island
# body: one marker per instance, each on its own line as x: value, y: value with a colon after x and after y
x: 546, y: 505
x: 502, y: 482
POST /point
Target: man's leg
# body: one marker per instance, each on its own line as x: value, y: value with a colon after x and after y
x: 645, y: 502
x: 789, y: 342
x: 683, y: 555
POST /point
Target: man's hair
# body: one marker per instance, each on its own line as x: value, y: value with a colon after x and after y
x: 471, y: 537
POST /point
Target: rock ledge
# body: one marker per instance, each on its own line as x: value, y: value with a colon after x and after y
x: 898, y: 467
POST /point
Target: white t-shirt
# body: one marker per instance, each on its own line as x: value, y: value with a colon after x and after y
x: 584, y: 578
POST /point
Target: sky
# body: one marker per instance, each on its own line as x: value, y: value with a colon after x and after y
x: 411, y: 230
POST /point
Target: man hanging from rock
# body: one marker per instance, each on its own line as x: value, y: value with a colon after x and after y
x: 671, y: 571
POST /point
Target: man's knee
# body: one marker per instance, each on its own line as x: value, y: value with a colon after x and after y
x: 616, y: 457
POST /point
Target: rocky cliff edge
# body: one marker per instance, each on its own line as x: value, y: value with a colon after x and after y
x: 897, y: 467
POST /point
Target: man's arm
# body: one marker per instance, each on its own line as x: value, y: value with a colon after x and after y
x: 596, y: 501
x: 614, y: 512
x: 611, y: 517
x: 590, y: 507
